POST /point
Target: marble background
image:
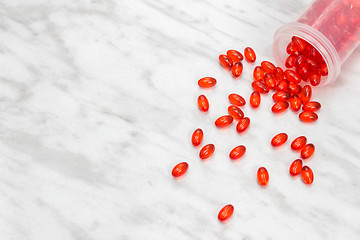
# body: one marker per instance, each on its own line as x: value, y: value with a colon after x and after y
x: 98, y: 103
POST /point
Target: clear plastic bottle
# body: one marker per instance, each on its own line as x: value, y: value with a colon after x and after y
x: 332, y: 27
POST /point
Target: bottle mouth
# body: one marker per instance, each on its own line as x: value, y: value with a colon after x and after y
x: 283, y: 36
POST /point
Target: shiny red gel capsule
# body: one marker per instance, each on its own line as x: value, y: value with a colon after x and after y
x: 259, y: 87
x: 308, y: 116
x: 255, y: 99
x: 235, y: 112
x: 292, y: 76
x: 237, y: 69
x: 258, y: 73
x: 207, y: 82
x: 243, y: 124
x: 225, y: 213
x: 268, y: 66
x: 207, y: 151
x: 279, y: 107
x: 234, y: 56
x: 203, y: 103
x: 270, y: 80
x: 225, y: 61
x: 180, y: 169
x: 278, y: 74
x: 281, y: 96
x: 307, y: 175
x: 224, y: 121
x: 305, y: 94
x: 237, y: 152
x: 197, y: 137
x: 263, y: 176
x: 236, y: 99
x: 307, y: 151
x: 279, y: 139
x: 282, y: 85
x: 312, y: 106
x: 298, y: 143
x: 294, y: 88
x: 295, y: 167
x: 250, y: 55
x: 295, y: 103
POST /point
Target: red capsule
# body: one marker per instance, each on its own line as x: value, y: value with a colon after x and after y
x: 263, y: 176
x: 305, y: 94
x: 324, y: 70
x: 224, y: 121
x: 226, y: 212
x: 255, y: 99
x: 203, y: 103
x: 295, y: 167
x: 278, y: 74
x: 236, y: 99
x: 250, y: 55
x: 313, y: 64
x: 207, y: 151
x: 180, y: 169
x: 207, y: 82
x: 237, y: 152
x: 197, y: 137
x: 270, y: 80
x: 234, y: 56
x: 295, y: 103
x: 298, y: 143
x: 307, y: 175
x: 312, y: 106
x: 281, y: 96
x: 308, y: 116
x: 258, y: 73
x: 225, y: 61
x: 304, y: 73
x: 259, y: 87
x: 237, y: 69
x: 279, y: 107
x: 290, y: 49
x: 299, y: 43
x: 292, y: 76
x: 315, y: 78
x: 290, y: 61
x: 235, y: 112
x: 294, y: 88
x: 300, y: 61
x: 268, y: 66
x: 307, y: 151
x: 282, y: 85
x: 243, y: 124
x: 279, y: 139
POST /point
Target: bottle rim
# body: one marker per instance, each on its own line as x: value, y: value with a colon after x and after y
x: 323, y: 45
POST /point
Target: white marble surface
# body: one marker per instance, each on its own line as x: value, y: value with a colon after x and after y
x: 98, y: 103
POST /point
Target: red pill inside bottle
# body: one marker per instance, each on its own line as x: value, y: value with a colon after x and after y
x: 263, y: 176
x: 180, y: 169
x: 235, y: 112
x: 234, y: 56
x: 243, y: 124
x: 250, y: 55
x: 279, y: 139
x: 307, y: 151
x: 225, y: 213
x: 307, y: 175
x: 237, y: 69
x: 224, y: 121
x: 236, y: 99
x: 298, y: 143
x: 295, y: 167
x: 237, y: 152
x: 207, y: 82
x: 207, y: 151
x: 197, y: 137
x: 224, y: 61
x: 203, y: 103
x: 255, y: 99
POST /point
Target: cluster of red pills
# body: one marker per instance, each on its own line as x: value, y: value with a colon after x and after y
x: 266, y: 77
